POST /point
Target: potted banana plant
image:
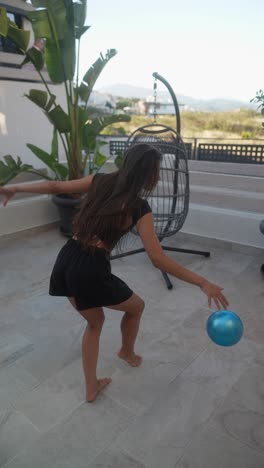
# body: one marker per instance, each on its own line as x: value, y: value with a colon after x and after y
x: 60, y: 25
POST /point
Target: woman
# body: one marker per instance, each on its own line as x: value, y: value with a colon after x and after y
x: 112, y: 204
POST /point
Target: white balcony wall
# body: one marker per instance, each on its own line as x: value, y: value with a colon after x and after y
x: 21, y: 121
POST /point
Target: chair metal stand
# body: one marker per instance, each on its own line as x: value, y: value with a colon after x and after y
x: 171, y: 249
x: 261, y: 228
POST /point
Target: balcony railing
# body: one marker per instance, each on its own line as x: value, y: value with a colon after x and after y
x: 212, y: 151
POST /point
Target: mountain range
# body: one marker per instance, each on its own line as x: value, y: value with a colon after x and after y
x: 213, y: 105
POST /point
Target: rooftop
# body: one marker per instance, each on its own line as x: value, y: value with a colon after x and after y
x: 191, y: 403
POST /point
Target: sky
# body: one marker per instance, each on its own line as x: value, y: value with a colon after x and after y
x: 204, y: 48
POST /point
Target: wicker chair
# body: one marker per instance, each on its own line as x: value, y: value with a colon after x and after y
x: 170, y: 199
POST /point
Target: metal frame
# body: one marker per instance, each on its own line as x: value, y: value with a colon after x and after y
x: 178, y: 146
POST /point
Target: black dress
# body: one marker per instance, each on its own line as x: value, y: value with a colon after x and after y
x: 85, y: 274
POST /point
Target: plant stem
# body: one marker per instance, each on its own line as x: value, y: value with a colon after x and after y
x: 71, y: 93
x: 44, y: 82
x: 85, y: 162
x: 72, y: 169
x: 78, y: 62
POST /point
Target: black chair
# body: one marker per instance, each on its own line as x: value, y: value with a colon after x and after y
x: 170, y: 199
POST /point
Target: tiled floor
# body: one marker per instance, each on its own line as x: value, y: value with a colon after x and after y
x: 190, y: 405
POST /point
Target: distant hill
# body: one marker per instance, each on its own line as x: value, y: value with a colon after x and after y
x: 214, y: 105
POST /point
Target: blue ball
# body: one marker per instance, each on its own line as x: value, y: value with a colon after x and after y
x: 225, y: 328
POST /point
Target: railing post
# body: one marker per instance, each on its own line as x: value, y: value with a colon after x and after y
x: 195, y: 149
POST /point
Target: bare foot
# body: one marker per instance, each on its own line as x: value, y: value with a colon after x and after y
x: 131, y: 358
x: 92, y: 394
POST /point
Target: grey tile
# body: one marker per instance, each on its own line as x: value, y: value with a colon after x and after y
x: 51, y: 354
x: 50, y: 402
x: 15, y: 382
x: 241, y: 415
x: 42, y: 318
x: 186, y: 393
x: 112, y: 457
x: 12, y: 347
x: 214, y: 447
x: 235, y: 263
x: 250, y: 308
x: 16, y: 431
x: 249, y: 389
x: 246, y: 249
x: 78, y: 440
x: 182, y: 239
x: 251, y: 280
x: 244, y: 425
x: 58, y: 396
x: 260, y: 355
x: 165, y: 354
x: 186, y: 404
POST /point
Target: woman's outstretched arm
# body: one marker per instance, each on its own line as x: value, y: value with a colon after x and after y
x: 160, y: 260
x: 50, y: 187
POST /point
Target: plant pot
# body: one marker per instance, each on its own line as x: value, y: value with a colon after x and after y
x: 68, y: 207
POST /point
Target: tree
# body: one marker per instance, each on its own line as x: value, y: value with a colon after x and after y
x: 259, y: 98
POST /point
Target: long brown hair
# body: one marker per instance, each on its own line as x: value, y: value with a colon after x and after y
x: 106, y: 211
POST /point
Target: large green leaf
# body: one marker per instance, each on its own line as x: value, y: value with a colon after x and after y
x: 39, y: 97
x: 56, y: 24
x: 53, y: 60
x: 79, y: 18
x: 59, y: 168
x: 60, y: 119
x: 60, y: 58
x: 68, y: 46
x: 52, y: 100
x: 40, y: 23
x: 119, y: 159
x: 5, y: 172
x: 99, y: 158
x: 45, y: 157
x: 34, y: 56
x: 9, y: 168
x: 57, y: 11
x: 4, y: 23
x: 53, y: 16
x: 55, y: 145
x: 81, y: 31
x: 93, y: 73
x: 60, y: 171
x: 94, y: 127
x: 19, y: 37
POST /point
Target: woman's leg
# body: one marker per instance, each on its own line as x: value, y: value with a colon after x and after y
x: 133, y: 309
x: 90, y: 350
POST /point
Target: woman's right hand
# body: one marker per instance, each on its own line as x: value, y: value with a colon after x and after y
x: 8, y: 193
x: 214, y: 292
